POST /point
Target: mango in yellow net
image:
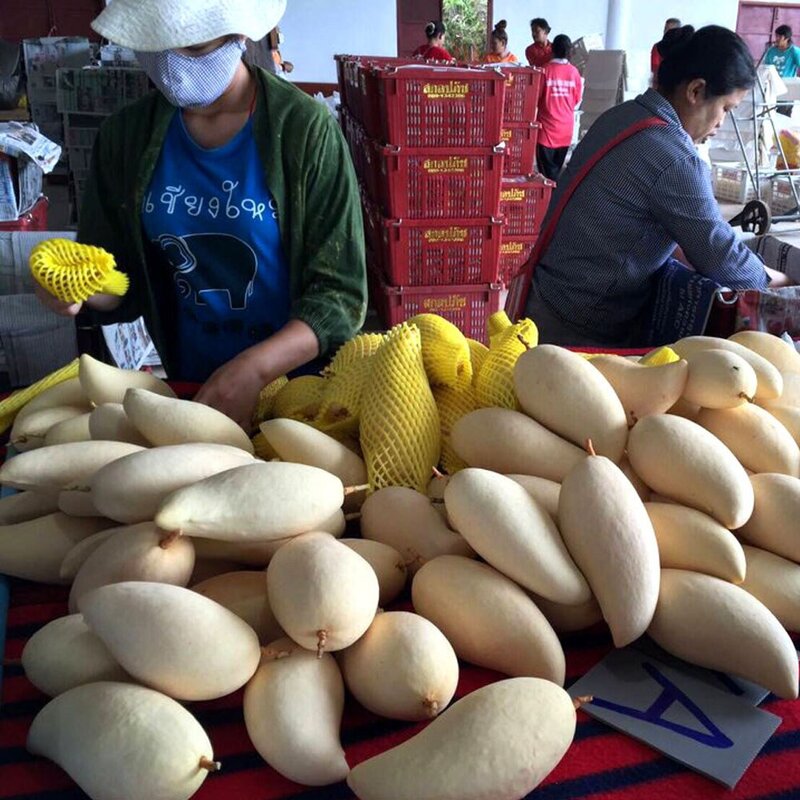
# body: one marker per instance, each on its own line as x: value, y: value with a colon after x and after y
x: 496, y: 323
x: 495, y: 386
x: 266, y: 400
x: 361, y: 346
x: 340, y: 407
x: 399, y: 421
x: 659, y: 357
x: 477, y: 353
x: 452, y: 404
x: 445, y: 351
x: 300, y: 398
x: 74, y: 272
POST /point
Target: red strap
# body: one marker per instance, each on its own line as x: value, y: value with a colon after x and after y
x: 521, y: 284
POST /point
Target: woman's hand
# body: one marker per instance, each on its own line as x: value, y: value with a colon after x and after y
x: 778, y: 279
x: 54, y: 304
x: 233, y: 389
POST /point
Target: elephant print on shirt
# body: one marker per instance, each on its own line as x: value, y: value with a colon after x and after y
x: 211, y: 262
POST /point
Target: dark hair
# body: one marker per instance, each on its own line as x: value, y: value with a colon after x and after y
x: 673, y: 22
x: 562, y: 46
x: 715, y: 54
x: 499, y: 32
x: 435, y: 29
x: 784, y: 30
x: 540, y: 22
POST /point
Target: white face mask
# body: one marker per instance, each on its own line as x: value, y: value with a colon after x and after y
x: 193, y: 80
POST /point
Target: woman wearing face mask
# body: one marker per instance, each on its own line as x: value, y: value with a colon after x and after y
x: 635, y: 189
x: 229, y: 198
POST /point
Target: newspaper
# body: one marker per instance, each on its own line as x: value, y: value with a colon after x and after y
x: 17, y: 138
x: 130, y: 345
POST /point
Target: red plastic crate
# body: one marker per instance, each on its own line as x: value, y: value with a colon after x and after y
x: 523, y: 203
x: 34, y: 220
x: 520, y: 139
x: 523, y: 87
x: 423, y: 183
x: 423, y: 106
x: 467, y: 307
x: 514, y: 254
x: 362, y: 155
x: 435, y: 252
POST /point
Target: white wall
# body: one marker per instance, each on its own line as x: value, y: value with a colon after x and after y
x: 315, y: 30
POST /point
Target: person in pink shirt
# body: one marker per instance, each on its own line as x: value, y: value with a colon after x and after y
x: 561, y: 92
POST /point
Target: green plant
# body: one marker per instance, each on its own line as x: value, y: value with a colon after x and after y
x: 465, y: 21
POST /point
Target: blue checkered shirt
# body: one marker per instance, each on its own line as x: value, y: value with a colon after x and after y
x: 622, y: 224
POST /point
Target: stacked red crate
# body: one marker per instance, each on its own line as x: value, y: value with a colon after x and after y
x: 425, y: 141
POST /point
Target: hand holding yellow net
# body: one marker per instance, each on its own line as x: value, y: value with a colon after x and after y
x: 74, y: 272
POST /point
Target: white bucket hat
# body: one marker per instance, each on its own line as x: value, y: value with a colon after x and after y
x: 156, y: 25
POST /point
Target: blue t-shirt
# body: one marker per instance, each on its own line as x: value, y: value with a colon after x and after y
x: 211, y: 218
x: 787, y: 61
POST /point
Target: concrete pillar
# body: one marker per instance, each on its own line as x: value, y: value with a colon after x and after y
x: 617, y: 24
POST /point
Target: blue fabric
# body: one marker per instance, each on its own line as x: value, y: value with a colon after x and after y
x: 647, y: 195
x: 213, y: 223
x: 787, y: 62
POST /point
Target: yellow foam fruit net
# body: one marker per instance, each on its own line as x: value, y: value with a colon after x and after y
x: 452, y: 404
x: 263, y: 448
x: 266, y: 400
x: 496, y: 323
x: 445, y: 351
x: 659, y: 357
x: 340, y: 407
x: 13, y: 404
x: 399, y: 420
x: 495, y: 385
x: 300, y: 398
x: 73, y: 272
x: 477, y: 353
x: 361, y: 346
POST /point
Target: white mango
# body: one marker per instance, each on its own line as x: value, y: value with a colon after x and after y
x: 293, y: 711
x: 567, y: 395
x: 513, y: 533
x: 77, y: 503
x: 608, y: 533
x: 778, y: 352
x: 755, y: 437
x: 689, y: 539
x: 775, y: 581
x: 256, y: 502
x: 770, y: 381
x: 773, y: 525
x: 34, y: 549
x: 167, y: 420
x: 62, y: 466
x: 132, y: 488
x: 714, y: 624
x: 74, y: 559
x: 680, y: 459
x: 64, y: 654
x: 110, y: 423
x: 407, y: 521
x: 207, y: 568
x: 642, y: 489
x: 543, y: 491
x: 789, y: 418
x: 120, y: 740
x: 499, y: 742
x: 403, y: 667
x: 507, y: 441
x: 323, y: 594
x: 489, y: 620
x: 245, y: 594
x: 30, y: 431
x: 139, y: 553
x: 23, y: 506
x: 566, y: 619
x: 173, y: 639
x: 102, y: 383
x: 66, y: 393
x: 719, y: 379
x: 73, y: 429
x: 389, y: 566
x: 683, y: 408
x: 643, y: 390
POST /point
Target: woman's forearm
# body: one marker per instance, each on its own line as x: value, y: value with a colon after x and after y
x: 292, y: 346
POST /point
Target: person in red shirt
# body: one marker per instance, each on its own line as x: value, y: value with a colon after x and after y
x: 655, y: 53
x: 541, y: 51
x: 434, y: 49
x: 500, y: 53
x: 561, y: 92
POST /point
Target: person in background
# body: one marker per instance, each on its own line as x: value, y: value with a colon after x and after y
x: 561, y: 94
x: 783, y: 55
x: 500, y: 53
x: 640, y: 189
x: 434, y: 49
x: 541, y: 51
x: 655, y: 53
x: 275, y: 39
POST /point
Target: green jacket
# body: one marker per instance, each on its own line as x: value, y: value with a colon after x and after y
x: 310, y: 175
